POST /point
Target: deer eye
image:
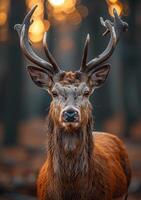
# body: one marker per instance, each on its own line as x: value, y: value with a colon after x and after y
x: 86, y: 93
x: 54, y: 94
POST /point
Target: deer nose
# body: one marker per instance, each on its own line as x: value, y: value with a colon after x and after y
x: 70, y: 115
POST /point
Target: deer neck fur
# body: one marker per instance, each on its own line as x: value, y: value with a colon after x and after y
x: 70, y: 151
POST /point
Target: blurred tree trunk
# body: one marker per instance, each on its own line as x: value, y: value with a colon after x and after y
x: 131, y: 59
x: 13, y: 82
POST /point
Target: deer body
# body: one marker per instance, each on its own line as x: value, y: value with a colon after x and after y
x: 106, y: 175
x: 81, y: 164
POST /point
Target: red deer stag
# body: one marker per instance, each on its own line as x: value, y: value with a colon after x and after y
x: 81, y: 164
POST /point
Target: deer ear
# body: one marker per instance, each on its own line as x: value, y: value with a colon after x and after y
x: 39, y: 77
x: 99, y: 76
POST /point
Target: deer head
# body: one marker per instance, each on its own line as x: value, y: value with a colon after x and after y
x: 70, y: 91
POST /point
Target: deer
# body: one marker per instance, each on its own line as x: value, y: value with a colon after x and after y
x: 81, y: 164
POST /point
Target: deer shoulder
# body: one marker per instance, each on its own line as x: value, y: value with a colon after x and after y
x: 111, y: 157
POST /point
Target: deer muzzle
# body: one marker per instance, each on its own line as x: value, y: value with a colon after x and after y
x: 70, y: 115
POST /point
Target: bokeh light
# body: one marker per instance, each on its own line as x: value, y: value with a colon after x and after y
x: 75, y: 18
x: 70, y: 11
x: 57, y: 2
x: 4, y: 10
x: 3, y: 18
x: 115, y: 4
x: 37, y: 29
x: 113, y: 1
x: 59, y: 12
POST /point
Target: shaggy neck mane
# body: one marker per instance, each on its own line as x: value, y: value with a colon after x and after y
x: 70, y: 151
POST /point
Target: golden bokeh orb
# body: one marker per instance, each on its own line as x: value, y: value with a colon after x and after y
x: 36, y: 31
x: 56, y: 2
x: 118, y: 7
x: 113, y: 1
x: 3, y: 18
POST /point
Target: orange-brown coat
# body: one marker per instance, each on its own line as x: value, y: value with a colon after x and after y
x: 110, y: 173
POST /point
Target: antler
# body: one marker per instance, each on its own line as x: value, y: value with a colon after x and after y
x: 48, y: 54
x: 51, y: 67
x: 85, y: 53
x: 115, y: 29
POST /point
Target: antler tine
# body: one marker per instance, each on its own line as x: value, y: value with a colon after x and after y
x: 110, y: 48
x: 85, y: 53
x: 49, y: 55
x: 22, y: 30
x: 115, y: 28
x: 119, y: 24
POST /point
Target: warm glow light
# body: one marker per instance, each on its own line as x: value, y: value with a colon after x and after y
x: 118, y: 8
x: 69, y: 11
x: 59, y: 12
x: 36, y: 31
x: 113, y: 1
x: 39, y: 10
x: 60, y: 17
x: 4, y: 10
x: 69, y: 6
x: 35, y: 38
x: 57, y: 2
x: 31, y: 3
x: 75, y: 18
x: 39, y: 26
x: 3, y: 18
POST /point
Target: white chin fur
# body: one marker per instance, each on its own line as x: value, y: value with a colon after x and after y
x: 68, y: 124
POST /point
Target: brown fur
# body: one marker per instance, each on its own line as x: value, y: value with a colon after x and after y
x: 69, y: 78
x: 83, y: 166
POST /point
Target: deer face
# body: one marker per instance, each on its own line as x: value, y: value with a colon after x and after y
x: 70, y: 91
x: 70, y: 104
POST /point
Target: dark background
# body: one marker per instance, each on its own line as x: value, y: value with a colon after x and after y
x: 23, y: 106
